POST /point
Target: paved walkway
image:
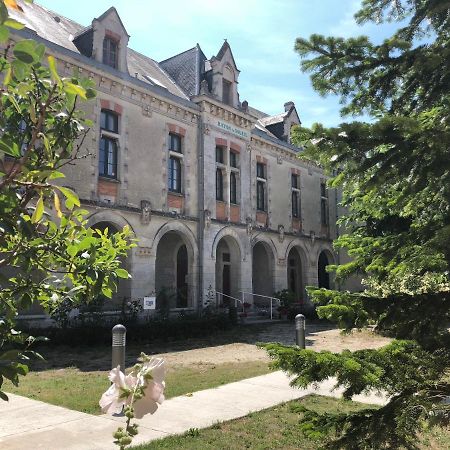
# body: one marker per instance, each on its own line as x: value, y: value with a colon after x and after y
x: 30, y: 424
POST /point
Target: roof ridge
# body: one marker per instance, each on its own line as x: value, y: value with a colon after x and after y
x: 57, y: 14
x: 179, y: 54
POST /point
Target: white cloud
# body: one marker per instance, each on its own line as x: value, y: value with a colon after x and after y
x: 347, y: 26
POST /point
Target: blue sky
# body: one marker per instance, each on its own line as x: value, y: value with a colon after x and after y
x: 261, y: 33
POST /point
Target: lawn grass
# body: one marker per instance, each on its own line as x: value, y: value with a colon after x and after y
x: 274, y: 428
x: 81, y: 391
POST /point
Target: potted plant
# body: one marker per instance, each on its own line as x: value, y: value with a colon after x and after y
x: 287, y: 299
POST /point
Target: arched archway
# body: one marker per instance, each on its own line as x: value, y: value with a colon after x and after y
x: 174, y: 271
x: 323, y: 277
x: 295, y: 273
x: 228, y: 268
x: 262, y: 269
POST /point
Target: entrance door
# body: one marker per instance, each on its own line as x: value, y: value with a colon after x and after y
x: 226, y: 281
x: 182, y: 272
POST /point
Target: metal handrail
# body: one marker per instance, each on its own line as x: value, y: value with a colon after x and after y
x: 229, y: 296
x: 263, y: 296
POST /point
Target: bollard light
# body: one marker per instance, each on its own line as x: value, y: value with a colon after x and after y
x: 300, y: 330
x: 119, y: 333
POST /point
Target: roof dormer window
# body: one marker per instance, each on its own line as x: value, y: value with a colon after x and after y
x: 110, y: 52
x: 227, y: 92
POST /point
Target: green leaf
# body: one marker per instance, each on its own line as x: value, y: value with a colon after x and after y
x: 122, y: 273
x: 25, y: 51
x: 57, y: 204
x: 14, y: 24
x: 71, y: 88
x: 70, y: 196
x: 55, y: 175
x: 4, y: 33
x: 20, y: 69
x: 3, y: 12
x: 11, y: 149
x: 8, y: 74
x: 53, y: 69
x: 38, y: 211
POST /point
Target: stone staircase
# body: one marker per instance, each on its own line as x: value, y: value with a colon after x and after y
x: 258, y: 315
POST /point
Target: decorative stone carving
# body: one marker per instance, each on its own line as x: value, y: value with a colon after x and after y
x: 206, y: 129
x: 146, y: 212
x: 281, y: 233
x: 249, y: 222
x: 207, y: 216
x: 143, y: 252
x: 204, y: 89
x: 279, y: 159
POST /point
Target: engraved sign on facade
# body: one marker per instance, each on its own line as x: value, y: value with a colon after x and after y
x: 239, y: 132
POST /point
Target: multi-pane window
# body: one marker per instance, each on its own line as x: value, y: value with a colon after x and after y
x: 108, y: 157
x: 174, y: 174
x: 175, y: 143
x: 175, y: 163
x: 219, y: 184
x: 227, y: 92
x: 295, y: 194
x: 110, y: 52
x: 323, y: 203
x: 219, y: 155
x: 233, y: 159
x: 108, y: 151
x: 233, y: 188
x: 109, y: 121
x: 260, y: 187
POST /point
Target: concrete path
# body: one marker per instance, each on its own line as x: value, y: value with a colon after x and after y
x: 30, y: 424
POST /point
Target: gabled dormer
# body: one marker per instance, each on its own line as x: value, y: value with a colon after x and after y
x: 106, y: 40
x: 281, y: 124
x: 224, y: 76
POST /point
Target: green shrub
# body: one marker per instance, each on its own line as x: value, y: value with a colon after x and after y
x: 155, y: 328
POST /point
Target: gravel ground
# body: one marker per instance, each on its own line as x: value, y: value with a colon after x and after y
x: 237, y: 345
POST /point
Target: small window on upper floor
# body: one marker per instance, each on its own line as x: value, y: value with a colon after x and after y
x: 219, y: 155
x: 110, y: 52
x: 227, y: 96
x: 109, y: 121
x: 175, y: 143
x: 233, y: 159
x: 108, y: 151
x: 260, y: 170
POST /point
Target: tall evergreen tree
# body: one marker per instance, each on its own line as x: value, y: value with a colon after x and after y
x: 394, y: 173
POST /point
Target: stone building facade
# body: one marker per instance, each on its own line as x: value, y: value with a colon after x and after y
x: 214, y: 191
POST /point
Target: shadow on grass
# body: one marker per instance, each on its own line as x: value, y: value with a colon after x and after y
x: 93, y: 358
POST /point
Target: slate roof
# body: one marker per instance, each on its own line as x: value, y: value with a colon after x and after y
x: 186, y: 69
x: 271, y: 120
x: 178, y: 76
x: 58, y: 29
